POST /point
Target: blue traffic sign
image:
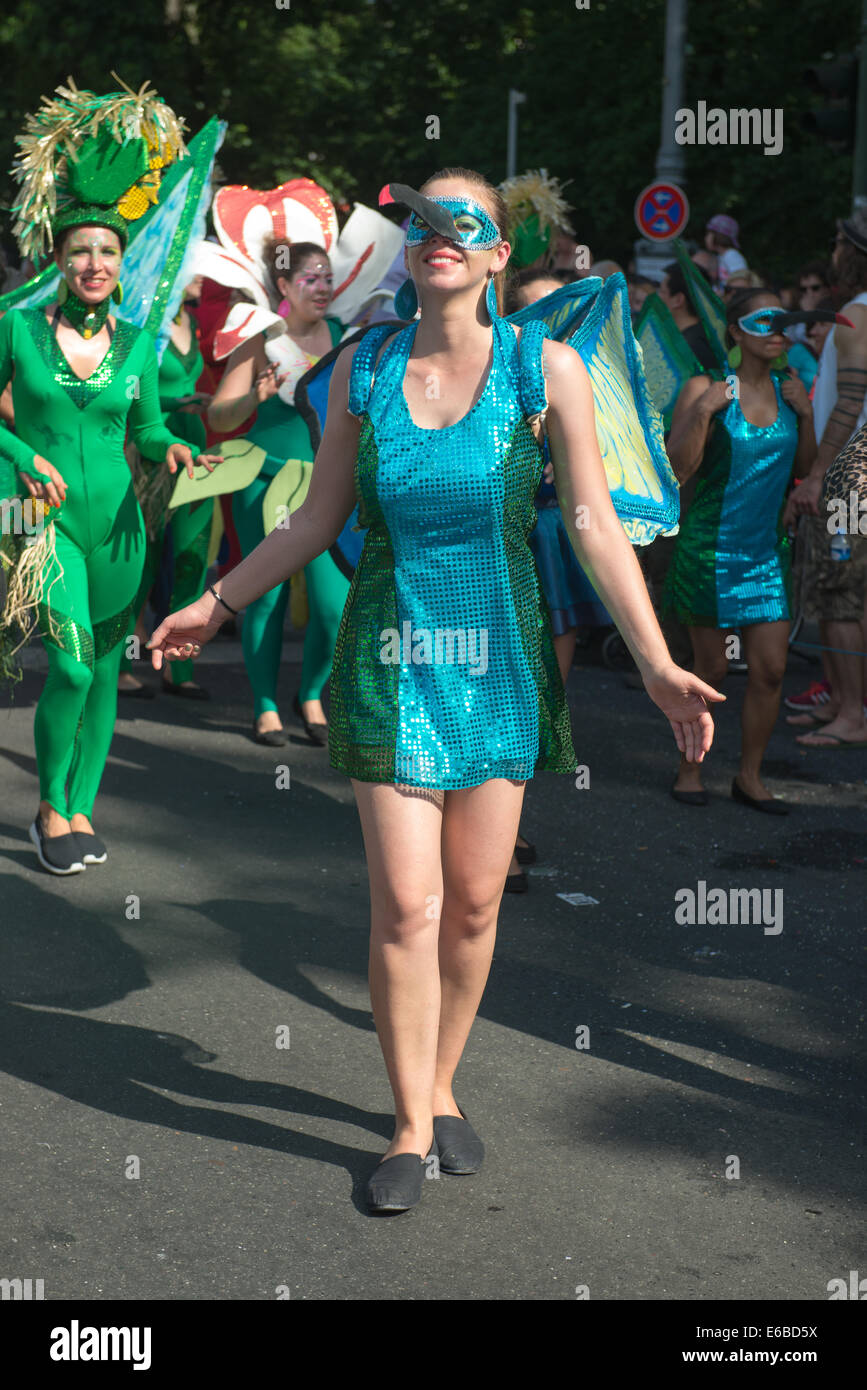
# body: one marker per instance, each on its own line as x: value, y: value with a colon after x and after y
x: 661, y: 211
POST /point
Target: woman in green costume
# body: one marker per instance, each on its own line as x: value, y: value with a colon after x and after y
x: 79, y: 376
x: 182, y: 406
x: 253, y: 380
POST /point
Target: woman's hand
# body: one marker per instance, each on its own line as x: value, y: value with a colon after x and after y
x: 683, y: 698
x: 268, y: 383
x: 183, y: 634
x: 183, y: 454
x: 717, y: 396
x: 53, y: 491
x: 795, y: 392
x: 803, y: 499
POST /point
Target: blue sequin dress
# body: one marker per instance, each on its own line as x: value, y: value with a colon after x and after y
x: 444, y: 670
x: 731, y: 563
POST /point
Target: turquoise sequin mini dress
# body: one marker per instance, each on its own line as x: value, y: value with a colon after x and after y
x: 731, y: 563
x: 444, y: 671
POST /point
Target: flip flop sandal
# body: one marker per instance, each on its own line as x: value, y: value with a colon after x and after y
x: 835, y: 743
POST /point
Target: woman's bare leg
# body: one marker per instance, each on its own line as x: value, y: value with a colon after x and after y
x: 402, y: 829
x: 765, y: 650
x: 478, y: 836
x: 711, y: 665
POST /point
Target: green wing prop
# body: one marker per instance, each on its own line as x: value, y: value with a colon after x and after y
x: 667, y: 357
x: 708, y: 305
x: 641, y: 480
x: 242, y: 462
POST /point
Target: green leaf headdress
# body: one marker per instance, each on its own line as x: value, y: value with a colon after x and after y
x: 88, y: 158
x: 536, y: 209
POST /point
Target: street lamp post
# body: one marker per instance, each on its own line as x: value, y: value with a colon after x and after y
x: 670, y: 158
x: 515, y: 99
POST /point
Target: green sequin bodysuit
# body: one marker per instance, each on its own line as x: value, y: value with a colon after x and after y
x: 444, y: 672
x: 80, y: 427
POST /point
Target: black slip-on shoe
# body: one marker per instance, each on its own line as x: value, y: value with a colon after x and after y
x: 93, y: 851
x: 396, y: 1183
x: 190, y: 692
x: 317, y: 733
x: 141, y: 692
x: 460, y: 1148
x: 59, y: 854
x: 770, y: 807
x: 690, y: 798
x: 525, y: 854
x: 517, y: 883
x: 272, y: 738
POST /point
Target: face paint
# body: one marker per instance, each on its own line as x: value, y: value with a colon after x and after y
x: 477, y: 231
x: 761, y: 322
x: 308, y: 280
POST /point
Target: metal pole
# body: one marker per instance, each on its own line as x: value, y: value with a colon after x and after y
x: 859, y: 166
x: 670, y: 159
x: 515, y: 98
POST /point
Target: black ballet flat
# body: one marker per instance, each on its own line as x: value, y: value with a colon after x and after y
x: 59, y: 854
x: 93, y: 851
x: 272, y: 738
x: 690, y: 798
x: 396, y: 1183
x: 770, y: 807
x: 517, y: 883
x: 461, y: 1150
x: 196, y: 692
x: 525, y: 854
x: 317, y: 733
x: 144, y: 692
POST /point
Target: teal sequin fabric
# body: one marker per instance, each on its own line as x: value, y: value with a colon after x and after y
x: 731, y: 564
x: 444, y: 670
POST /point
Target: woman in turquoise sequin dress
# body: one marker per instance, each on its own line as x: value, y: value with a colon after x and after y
x: 445, y: 695
x: 730, y: 568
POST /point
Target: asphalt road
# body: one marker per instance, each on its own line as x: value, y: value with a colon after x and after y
x: 610, y: 1166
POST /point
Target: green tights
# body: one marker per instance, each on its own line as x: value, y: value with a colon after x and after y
x: 90, y: 607
x: 191, y: 534
x: 262, y: 636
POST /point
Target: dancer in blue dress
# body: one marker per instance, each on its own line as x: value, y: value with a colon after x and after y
x: 446, y: 695
x: 730, y: 570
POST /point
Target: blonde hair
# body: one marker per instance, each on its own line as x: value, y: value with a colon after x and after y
x: 496, y: 206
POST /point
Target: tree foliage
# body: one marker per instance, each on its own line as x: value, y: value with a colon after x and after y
x: 342, y: 92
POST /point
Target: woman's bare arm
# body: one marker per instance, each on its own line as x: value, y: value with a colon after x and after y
x: 308, y: 532
x: 235, y: 397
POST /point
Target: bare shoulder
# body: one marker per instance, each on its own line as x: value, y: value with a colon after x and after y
x: 858, y: 315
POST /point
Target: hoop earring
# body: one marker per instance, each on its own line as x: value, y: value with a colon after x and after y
x: 117, y: 293
x: 284, y: 308
x: 735, y: 356
x: 406, y: 301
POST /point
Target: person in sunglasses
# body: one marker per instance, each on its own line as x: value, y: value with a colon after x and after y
x: 743, y: 435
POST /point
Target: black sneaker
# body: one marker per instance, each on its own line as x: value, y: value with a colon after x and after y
x: 93, y: 851
x: 59, y: 854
